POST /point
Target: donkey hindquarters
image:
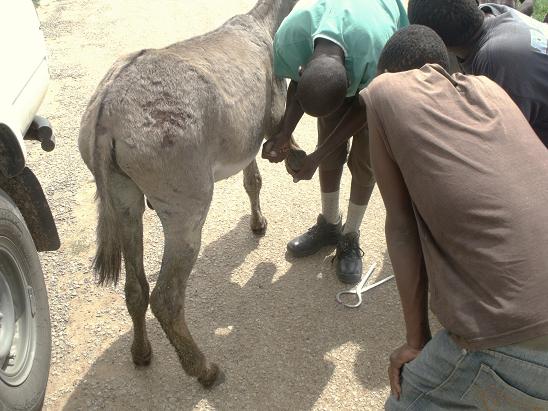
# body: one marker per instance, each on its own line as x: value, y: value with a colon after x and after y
x: 163, y: 126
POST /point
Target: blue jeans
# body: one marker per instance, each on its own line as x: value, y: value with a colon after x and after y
x: 446, y: 377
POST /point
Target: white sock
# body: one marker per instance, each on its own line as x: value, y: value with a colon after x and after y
x: 330, y: 207
x: 354, y: 218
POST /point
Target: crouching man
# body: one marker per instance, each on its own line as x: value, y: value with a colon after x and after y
x: 329, y: 49
x: 464, y: 180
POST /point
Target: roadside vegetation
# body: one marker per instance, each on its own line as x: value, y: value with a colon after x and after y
x: 541, y: 9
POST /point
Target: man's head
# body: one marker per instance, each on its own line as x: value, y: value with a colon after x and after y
x: 455, y: 21
x: 411, y: 48
x: 322, y: 86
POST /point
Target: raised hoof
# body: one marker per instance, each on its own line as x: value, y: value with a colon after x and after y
x: 259, y: 226
x: 212, y: 377
x: 143, y: 358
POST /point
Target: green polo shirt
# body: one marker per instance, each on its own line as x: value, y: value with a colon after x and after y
x: 360, y: 27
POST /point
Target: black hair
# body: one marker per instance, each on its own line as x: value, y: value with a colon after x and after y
x: 411, y: 48
x: 455, y: 21
x: 322, y: 86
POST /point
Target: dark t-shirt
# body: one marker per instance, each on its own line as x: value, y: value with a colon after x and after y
x: 478, y: 178
x: 513, y: 53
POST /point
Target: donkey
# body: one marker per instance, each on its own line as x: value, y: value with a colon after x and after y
x: 167, y: 124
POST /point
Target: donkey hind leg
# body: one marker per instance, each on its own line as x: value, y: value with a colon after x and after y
x: 129, y: 201
x: 182, y: 220
x: 252, y: 184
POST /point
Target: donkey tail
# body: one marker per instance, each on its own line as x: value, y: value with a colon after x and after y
x: 108, y: 258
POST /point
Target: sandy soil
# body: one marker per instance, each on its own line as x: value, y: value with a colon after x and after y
x: 270, y: 321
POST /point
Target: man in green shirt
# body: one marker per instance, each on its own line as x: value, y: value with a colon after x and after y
x: 329, y: 50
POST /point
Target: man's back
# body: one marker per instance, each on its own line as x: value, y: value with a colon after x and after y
x: 360, y: 28
x: 513, y: 53
x: 478, y: 178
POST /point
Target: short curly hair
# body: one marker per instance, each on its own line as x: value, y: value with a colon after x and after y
x: 455, y: 21
x: 322, y: 86
x: 411, y: 48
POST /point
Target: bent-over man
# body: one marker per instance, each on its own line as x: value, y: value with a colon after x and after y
x: 329, y: 49
x: 465, y: 183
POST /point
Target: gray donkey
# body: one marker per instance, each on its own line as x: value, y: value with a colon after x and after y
x: 167, y: 124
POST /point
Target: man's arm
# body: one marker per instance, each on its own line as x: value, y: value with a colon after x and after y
x: 293, y: 110
x: 277, y: 147
x: 527, y: 7
x: 353, y: 121
x: 405, y: 253
x: 403, y: 242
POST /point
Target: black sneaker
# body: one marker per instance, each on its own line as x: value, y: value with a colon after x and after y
x: 349, y: 258
x: 315, y: 238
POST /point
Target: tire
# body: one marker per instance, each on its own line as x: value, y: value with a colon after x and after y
x: 23, y: 378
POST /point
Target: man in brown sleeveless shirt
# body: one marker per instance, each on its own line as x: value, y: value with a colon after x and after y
x: 464, y: 179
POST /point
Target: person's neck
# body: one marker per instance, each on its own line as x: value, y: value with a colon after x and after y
x: 463, y: 52
x: 324, y: 47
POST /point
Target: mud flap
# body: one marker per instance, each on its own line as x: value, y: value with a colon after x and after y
x: 26, y: 192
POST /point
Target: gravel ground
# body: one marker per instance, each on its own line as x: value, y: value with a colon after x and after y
x: 271, y: 322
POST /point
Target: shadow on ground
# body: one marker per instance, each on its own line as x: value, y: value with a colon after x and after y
x: 279, y: 343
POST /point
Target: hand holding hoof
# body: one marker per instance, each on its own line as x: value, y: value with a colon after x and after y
x: 276, y: 149
x: 212, y: 377
x: 295, y: 160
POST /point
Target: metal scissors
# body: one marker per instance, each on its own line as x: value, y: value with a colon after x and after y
x: 360, y: 288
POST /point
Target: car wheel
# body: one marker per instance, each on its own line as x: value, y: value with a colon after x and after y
x: 25, y: 333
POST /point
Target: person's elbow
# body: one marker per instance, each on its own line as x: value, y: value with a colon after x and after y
x: 400, y: 229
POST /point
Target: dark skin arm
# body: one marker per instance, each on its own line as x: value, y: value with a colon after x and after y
x: 353, y: 121
x: 404, y: 248
x: 276, y: 148
x: 527, y: 7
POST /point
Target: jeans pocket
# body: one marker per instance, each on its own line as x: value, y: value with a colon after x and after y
x: 490, y: 392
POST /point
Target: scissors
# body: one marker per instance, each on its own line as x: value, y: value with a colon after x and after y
x: 360, y: 288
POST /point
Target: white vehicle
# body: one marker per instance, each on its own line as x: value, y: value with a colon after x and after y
x: 26, y: 222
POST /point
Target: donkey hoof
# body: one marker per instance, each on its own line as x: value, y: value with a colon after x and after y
x: 142, y: 356
x: 258, y: 226
x: 212, y: 377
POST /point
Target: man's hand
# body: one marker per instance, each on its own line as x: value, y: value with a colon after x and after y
x: 306, y: 172
x: 398, y: 359
x: 276, y: 148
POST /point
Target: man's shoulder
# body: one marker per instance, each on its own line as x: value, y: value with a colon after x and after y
x: 386, y: 92
x: 506, y: 55
x: 388, y: 85
x: 510, y: 35
x: 377, y: 88
x: 402, y: 90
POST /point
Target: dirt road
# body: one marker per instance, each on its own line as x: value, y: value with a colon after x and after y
x: 271, y: 322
